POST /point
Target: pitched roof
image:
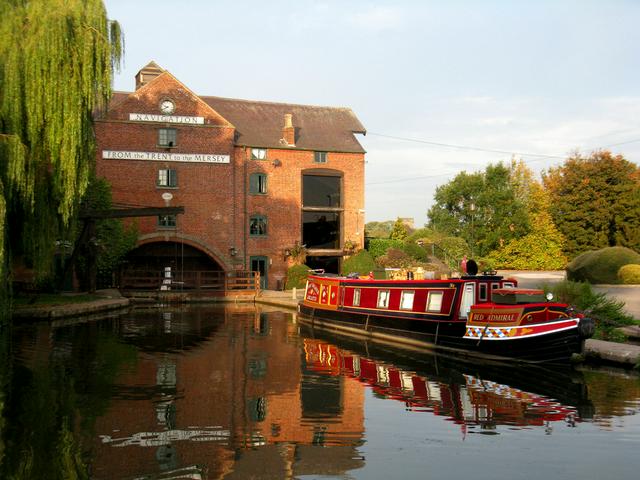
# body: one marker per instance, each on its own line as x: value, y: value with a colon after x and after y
x: 260, y: 124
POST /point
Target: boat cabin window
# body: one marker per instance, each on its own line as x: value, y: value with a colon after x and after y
x: 483, y: 291
x: 468, y: 299
x: 494, y: 286
x: 406, y: 299
x: 356, y: 297
x: 508, y: 285
x: 383, y: 299
x: 434, y: 301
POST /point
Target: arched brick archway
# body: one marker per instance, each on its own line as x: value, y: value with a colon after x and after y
x: 157, y: 251
x: 161, y: 254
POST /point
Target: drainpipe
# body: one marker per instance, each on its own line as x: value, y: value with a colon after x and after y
x: 244, y: 213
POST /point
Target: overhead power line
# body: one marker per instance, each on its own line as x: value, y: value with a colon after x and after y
x: 466, y: 147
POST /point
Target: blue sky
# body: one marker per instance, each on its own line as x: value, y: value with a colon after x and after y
x: 512, y: 77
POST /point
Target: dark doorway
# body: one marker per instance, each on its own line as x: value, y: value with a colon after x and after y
x: 259, y: 264
x: 178, y: 256
x: 328, y: 264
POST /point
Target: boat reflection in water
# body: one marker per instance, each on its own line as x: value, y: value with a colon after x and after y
x: 478, y: 403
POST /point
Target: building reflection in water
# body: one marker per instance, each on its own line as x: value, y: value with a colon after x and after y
x: 236, y: 393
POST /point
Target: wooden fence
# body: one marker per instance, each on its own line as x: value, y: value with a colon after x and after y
x: 197, y: 281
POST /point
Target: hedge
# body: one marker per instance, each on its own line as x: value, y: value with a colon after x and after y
x: 601, y: 266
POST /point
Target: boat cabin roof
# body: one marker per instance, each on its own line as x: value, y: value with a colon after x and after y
x: 514, y: 296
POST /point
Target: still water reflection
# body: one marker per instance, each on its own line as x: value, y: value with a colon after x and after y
x: 239, y: 392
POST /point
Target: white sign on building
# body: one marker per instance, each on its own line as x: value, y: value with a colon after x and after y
x: 149, y: 117
x: 166, y: 156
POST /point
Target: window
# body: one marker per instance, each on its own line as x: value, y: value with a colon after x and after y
x: 383, y: 299
x: 356, y: 297
x: 321, y: 191
x: 167, y: 178
x: 508, y: 285
x: 406, y: 299
x: 258, y: 154
x: 320, y: 157
x: 483, y: 291
x: 258, y: 184
x: 166, y: 221
x: 257, y: 225
x: 434, y: 301
x: 167, y: 137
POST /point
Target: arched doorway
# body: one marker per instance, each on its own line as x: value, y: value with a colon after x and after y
x: 180, y: 256
x: 167, y: 265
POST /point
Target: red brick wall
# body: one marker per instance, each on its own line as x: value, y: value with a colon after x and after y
x: 215, y: 196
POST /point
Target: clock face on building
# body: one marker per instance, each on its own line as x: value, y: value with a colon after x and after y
x: 167, y: 107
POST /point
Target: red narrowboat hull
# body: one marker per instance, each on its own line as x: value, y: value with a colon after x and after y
x: 404, y: 312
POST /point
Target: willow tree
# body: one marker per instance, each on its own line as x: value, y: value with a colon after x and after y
x: 56, y: 65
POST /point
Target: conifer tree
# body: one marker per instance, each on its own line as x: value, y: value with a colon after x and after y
x: 56, y: 64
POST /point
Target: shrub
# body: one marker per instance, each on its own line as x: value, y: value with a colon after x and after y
x: 608, y: 313
x: 629, y: 274
x: 601, y: 266
x: 395, y: 258
x: 361, y: 263
x: 297, y: 276
x: 379, y: 246
x: 415, y: 251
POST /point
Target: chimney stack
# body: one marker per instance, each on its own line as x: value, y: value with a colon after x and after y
x: 289, y: 131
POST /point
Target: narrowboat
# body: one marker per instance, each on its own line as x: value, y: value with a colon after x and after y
x: 483, y: 315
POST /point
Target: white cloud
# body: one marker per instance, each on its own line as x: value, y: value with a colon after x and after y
x: 378, y: 18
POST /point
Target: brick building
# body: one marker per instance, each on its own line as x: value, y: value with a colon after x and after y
x: 255, y: 178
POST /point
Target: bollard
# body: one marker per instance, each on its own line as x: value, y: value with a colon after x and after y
x: 294, y: 295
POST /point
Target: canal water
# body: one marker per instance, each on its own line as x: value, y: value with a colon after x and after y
x: 241, y: 392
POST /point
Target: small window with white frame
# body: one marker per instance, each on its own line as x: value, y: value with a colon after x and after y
x: 320, y: 157
x: 508, y: 285
x: 434, y: 301
x: 258, y: 154
x: 167, y: 137
x: 406, y: 299
x: 383, y: 298
x: 167, y: 177
x: 356, y: 297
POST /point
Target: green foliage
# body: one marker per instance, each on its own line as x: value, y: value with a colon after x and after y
x: 415, y: 251
x: 608, y: 313
x: 362, y: 263
x: 595, y: 201
x: 399, y: 231
x: 112, y: 240
x: 539, y: 250
x: 481, y: 208
x: 379, y: 246
x: 297, y: 276
x: 378, y: 229
x: 425, y: 234
x: 298, y: 253
x: 56, y: 65
x: 395, y: 258
x: 601, y: 266
x: 629, y: 274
